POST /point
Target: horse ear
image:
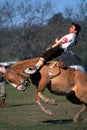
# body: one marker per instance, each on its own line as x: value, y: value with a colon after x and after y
x: 62, y: 64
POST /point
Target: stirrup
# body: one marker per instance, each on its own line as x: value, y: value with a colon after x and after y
x: 30, y: 70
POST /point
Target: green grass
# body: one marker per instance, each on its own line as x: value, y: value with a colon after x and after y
x: 22, y: 113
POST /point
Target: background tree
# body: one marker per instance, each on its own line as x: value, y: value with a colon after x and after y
x: 27, y: 29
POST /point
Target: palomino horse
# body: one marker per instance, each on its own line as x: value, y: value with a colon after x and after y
x: 59, y: 80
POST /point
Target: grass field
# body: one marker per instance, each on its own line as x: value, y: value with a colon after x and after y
x: 22, y: 113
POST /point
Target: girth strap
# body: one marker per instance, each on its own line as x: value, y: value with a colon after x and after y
x: 52, y: 67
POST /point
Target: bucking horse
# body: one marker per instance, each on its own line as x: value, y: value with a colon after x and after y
x: 56, y: 76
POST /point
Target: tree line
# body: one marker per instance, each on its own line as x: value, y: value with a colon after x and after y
x: 27, y: 29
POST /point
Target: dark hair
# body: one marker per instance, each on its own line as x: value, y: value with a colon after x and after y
x: 77, y: 27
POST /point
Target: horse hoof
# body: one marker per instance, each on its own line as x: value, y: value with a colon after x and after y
x: 75, y: 121
x: 48, y: 112
x: 52, y: 101
x: 84, y: 121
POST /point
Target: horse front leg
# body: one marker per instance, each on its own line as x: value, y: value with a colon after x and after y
x: 46, y: 111
x: 46, y: 99
x: 78, y: 115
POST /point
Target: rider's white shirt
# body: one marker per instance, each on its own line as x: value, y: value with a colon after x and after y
x: 71, y: 41
x: 68, y: 45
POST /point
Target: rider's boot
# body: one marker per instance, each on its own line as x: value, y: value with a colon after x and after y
x: 34, y: 69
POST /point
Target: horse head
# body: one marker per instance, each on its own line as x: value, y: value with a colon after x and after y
x: 15, y: 74
x: 17, y: 79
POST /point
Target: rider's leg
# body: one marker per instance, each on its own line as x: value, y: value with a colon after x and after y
x: 34, y: 69
x: 47, y: 56
x: 40, y: 63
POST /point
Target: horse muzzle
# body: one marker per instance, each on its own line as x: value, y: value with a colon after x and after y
x: 22, y: 86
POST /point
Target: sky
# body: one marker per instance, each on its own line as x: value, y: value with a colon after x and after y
x: 58, y: 4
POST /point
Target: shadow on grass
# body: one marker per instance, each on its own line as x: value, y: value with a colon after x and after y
x: 61, y: 121
x: 18, y: 105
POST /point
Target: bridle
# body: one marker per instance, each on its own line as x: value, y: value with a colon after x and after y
x: 26, y: 81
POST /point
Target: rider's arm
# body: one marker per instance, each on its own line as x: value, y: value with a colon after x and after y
x: 59, y: 42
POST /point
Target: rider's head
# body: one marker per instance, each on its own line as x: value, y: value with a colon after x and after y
x: 77, y: 27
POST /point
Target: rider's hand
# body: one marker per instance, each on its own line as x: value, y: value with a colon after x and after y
x: 56, y: 39
x: 49, y: 48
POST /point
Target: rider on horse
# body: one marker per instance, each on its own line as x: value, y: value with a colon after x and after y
x: 58, y: 47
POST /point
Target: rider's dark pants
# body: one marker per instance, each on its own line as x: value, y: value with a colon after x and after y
x: 52, y: 53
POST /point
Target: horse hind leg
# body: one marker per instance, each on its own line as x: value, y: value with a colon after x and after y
x: 78, y: 115
x: 74, y: 99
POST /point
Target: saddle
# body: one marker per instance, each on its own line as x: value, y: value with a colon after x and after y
x: 54, y: 68
x: 57, y: 64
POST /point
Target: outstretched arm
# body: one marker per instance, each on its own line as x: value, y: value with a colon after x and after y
x: 58, y: 43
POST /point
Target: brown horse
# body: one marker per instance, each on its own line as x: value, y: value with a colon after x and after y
x: 58, y: 78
